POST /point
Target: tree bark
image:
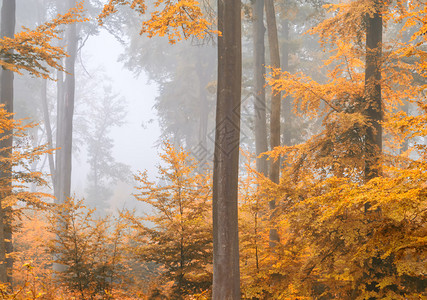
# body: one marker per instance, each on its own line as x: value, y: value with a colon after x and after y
x: 261, y: 143
x: 373, y: 111
x: 273, y: 42
x: 226, y: 273
x: 8, y: 21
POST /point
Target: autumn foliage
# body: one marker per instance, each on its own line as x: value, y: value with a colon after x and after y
x: 171, y: 18
x: 177, y: 234
x: 343, y: 235
x: 33, y: 50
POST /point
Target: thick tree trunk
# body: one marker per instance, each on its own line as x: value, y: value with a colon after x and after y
x: 373, y: 111
x: 261, y: 143
x: 226, y: 276
x: 276, y: 99
x: 8, y: 20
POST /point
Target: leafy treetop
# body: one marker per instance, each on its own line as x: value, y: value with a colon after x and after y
x: 32, y: 50
x: 174, y: 19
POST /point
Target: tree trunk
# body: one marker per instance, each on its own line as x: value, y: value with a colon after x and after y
x: 44, y: 104
x: 373, y: 104
x: 8, y: 20
x: 66, y: 92
x: 48, y: 127
x: 226, y: 273
x: 286, y: 110
x: 65, y: 116
x: 373, y: 112
x: 273, y: 42
x: 261, y: 143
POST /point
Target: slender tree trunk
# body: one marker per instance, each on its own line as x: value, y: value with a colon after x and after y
x: 226, y: 273
x: 48, y: 127
x: 373, y: 110
x: 66, y: 93
x: 276, y: 99
x: 405, y: 144
x: 65, y: 131
x: 59, y: 135
x: 261, y: 143
x: 45, y: 107
x: 60, y: 92
x: 8, y: 20
x: 286, y: 110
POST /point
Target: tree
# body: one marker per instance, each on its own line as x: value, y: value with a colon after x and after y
x: 32, y: 51
x: 226, y: 282
x: 345, y: 249
x: 276, y: 103
x: 14, y: 184
x: 175, y: 19
x: 374, y: 109
x: 261, y: 143
x: 104, y: 114
x: 8, y: 21
x: 177, y: 234
x: 65, y: 117
x: 91, y: 249
x: 28, y: 50
x: 276, y: 98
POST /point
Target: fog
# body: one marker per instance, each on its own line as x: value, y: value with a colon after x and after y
x: 135, y: 141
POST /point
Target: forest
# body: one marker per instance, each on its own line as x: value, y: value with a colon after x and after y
x: 229, y: 149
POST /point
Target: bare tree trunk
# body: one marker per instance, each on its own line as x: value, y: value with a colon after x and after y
x: 373, y: 104
x: 405, y: 144
x: 261, y: 143
x: 48, y: 127
x: 45, y: 106
x: 226, y: 273
x: 66, y: 93
x: 286, y: 110
x: 276, y: 99
x: 65, y: 130
x: 8, y: 20
x: 59, y: 117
